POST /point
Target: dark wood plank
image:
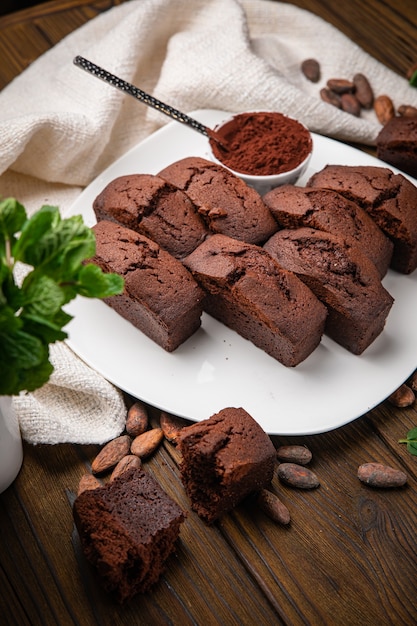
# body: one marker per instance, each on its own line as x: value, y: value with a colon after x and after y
x: 204, y: 573
x: 382, y: 29
x: 345, y: 537
x: 26, y: 34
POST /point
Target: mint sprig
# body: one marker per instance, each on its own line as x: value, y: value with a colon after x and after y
x: 411, y: 441
x: 32, y: 314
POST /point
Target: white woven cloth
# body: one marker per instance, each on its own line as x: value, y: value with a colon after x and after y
x: 59, y: 128
x: 76, y: 405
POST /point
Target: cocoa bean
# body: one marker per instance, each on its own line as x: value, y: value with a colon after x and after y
x: 171, y: 426
x: 137, y: 419
x: 384, y: 109
x: 340, y: 85
x: 350, y: 104
x: 87, y: 483
x: 383, y: 476
x: 363, y: 91
x: 145, y: 444
x: 111, y: 454
x: 406, y: 110
x: 294, y: 454
x: 297, y: 476
x: 402, y: 397
x: 329, y: 96
x: 272, y: 506
x: 127, y: 462
x: 311, y: 70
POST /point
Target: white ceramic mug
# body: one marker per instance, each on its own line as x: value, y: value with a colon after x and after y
x: 11, y: 450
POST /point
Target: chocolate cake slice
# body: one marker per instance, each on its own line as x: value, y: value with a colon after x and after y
x: 224, y: 458
x: 160, y: 298
x: 390, y: 199
x: 249, y: 292
x: 327, y: 210
x: 227, y: 204
x: 155, y: 208
x: 342, y: 277
x: 396, y: 144
x: 128, y: 529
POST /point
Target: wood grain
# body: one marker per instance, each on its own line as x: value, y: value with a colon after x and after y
x: 27, y: 34
x: 348, y: 556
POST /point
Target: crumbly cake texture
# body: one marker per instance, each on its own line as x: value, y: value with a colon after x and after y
x: 342, y: 277
x: 227, y: 204
x: 250, y: 293
x: 161, y: 298
x: 224, y: 459
x: 390, y: 199
x: 327, y: 210
x: 396, y: 144
x: 155, y: 208
x: 128, y: 529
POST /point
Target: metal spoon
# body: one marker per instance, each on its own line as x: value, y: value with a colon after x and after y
x: 137, y: 93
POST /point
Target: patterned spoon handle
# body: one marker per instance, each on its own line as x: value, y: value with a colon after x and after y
x: 137, y: 93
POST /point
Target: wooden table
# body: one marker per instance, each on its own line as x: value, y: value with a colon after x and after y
x: 348, y: 557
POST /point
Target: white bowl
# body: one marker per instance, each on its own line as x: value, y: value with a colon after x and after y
x: 263, y: 184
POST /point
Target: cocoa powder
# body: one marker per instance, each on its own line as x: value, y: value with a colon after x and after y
x: 262, y: 144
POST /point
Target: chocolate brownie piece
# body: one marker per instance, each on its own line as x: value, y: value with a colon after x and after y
x: 128, y: 529
x: 228, y: 205
x: 249, y: 292
x: 396, y: 144
x: 155, y: 208
x: 390, y: 199
x: 224, y: 459
x: 160, y: 298
x: 327, y: 210
x: 342, y: 277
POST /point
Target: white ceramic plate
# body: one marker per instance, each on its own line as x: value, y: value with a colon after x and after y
x: 216, y: 368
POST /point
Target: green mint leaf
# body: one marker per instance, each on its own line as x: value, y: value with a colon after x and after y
x: 26, y: 247
x: 411, y: 441
x: 9, y: 384
x: 12, y: 217
x: 9, y: 323
x: 81, y: 247
x: 412, y: 447
x: 62, y: 318
x: 28, y: 379
x: 10, y: 293
x: 94, y: 283
x: 412, y: 434
x: 54, y: 246
x: 42, y: 296
x: 5, y: 270
x: 47, y: 330
x: 20, y: 348
x: 25, y: 360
